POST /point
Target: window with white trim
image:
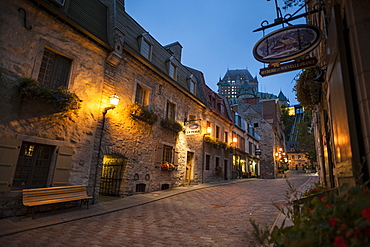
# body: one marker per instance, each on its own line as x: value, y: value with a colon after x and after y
x: 172, y: 69
x: 146, y: 46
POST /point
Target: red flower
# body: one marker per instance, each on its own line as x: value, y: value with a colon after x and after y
x: 366, y: 213
x: 323, y: 199
x: 328, y: 205
x: 309, y: 210
x: 332, y: 221
x: 340, y: 242
x: 366, y: 191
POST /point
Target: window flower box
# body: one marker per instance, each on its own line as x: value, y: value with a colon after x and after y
x: 166, y: 166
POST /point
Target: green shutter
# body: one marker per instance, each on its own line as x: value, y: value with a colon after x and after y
x: 62, y: 167
x: 9, y: 152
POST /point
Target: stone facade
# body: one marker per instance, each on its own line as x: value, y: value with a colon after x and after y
x: 88, y: 145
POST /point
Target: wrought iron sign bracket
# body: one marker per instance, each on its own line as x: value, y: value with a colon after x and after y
x: 281, y: 20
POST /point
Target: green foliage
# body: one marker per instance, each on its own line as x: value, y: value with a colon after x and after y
x: 144, y: 114
x: 307, y: 90
x: 60, y: 98
x: 215, y: 142
x: 306, y: 138
x: 287, y: 120
x: 292, y: 3
x: 329, y: 220
x: 171, y: 125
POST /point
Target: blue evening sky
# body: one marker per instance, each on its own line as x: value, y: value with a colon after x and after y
x: 216, y: 35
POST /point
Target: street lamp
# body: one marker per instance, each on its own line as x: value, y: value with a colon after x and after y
x: 113, y: 102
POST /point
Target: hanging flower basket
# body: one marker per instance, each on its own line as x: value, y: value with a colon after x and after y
x: 168, y: 167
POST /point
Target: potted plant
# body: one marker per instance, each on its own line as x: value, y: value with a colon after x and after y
x: 141, y: 113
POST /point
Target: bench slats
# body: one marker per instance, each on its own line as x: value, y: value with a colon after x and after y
x: 50, y: 195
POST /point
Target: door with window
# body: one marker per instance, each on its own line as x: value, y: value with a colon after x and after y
x: 33, y: 165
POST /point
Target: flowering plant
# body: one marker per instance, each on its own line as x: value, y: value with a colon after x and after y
x: 332, y: 220
x: 142, y: 113
x: 60, y: 98
x: 167, y: 166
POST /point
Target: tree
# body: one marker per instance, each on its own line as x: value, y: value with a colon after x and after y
x: 287, y: 119
x: 291, y: 3
x: 306, y: 138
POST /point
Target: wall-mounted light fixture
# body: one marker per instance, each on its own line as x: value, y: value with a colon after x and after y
x: 209, y: 130
x: 113, y: 101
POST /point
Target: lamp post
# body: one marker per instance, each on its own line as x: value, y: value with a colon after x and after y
x: 113, y: 102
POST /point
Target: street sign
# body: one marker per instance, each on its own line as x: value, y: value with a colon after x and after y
x: 281, y: 68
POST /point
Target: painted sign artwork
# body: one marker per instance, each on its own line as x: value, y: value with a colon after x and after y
x: 287, y: 43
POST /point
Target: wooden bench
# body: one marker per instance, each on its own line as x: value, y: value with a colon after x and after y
x: 50, y: 195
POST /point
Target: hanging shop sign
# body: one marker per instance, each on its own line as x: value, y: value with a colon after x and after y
x: 281, y: 68
x: 258, y: 151
x: 193, y: 128
x: 287, y: 43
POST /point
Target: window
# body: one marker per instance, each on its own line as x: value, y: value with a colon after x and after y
x: 255, y: 125
x: 217, y: 132
x: 146, y: 46
x: 33, y: 165
x: 192, y: 86
x: 172, y: 70
x: 167, y: 153
x: 217, y: 163
x: 208, y: 162
x: 54, y: 70
x: 226, y: 137
x: 170, y: 112
x: 141, y: 95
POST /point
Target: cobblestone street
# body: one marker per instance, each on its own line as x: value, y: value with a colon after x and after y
x: 211, y: 216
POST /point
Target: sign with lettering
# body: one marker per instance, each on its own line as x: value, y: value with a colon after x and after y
x: 258, y: 151
x: 287, y: 43
x: 301, y: 64
x: 193, y: 128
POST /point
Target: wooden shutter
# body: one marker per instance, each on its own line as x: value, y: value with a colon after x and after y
x: 9, y: 152
x: 175, y: 157
x: 62, y: 166
x: 159, y: 154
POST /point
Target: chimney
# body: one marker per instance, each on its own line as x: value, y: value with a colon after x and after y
x: 175, y: 49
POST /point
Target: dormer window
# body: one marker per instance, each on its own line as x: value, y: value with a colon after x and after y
x: 172, y: 67
x: 192, y: 84
x: 146, y: 46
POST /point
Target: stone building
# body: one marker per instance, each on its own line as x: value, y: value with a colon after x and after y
x: 342, y: 107
x: 155, y: 138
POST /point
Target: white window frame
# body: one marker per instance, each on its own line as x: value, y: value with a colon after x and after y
x: 144, y: 40
x: 192, y: 84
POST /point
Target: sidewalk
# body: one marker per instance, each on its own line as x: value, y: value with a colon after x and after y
x: 9, y: 226
x: 312, y: 179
